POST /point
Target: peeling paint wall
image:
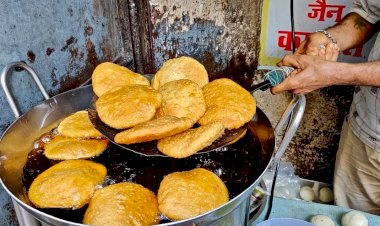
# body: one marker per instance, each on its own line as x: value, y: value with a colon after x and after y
x: 221, y: 34
x: 63, y: 42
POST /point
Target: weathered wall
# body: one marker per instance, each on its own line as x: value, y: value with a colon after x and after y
x: 313, y: 149
x: 221, y: 34
x: 62, y: 41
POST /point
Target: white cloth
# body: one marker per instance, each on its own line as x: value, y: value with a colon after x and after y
x: 364, y: 116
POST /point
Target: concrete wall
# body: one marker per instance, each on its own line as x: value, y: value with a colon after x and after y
x: 63, y: 41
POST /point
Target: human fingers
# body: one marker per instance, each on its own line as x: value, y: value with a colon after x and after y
x: 289, y: 60
x: 280, y: 88
x: 301, y: 48
x: 322, y: 51
x: 286, y: 85
x: 332, y: 52
x: 312, y: 50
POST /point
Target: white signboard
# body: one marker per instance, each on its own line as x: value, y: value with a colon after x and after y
x: 309, y: 16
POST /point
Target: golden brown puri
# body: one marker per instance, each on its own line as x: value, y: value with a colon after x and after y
x: 122, y: 204
x: 182, y: 98
x: 65, y: 148
x: 230, y: 117
x: 67, y: 185
x: 187, y: 194
x: 153, y: 130
x: 108, y: 75
x: 228, y: 102
x: 78, y: 125
x: 180, y: 68
x: 126, y: 106
x: 191, y: 141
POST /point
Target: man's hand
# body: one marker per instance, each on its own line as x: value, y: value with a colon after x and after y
x: 310, y: 73
x: 312, y: 43
x: 317, y: 44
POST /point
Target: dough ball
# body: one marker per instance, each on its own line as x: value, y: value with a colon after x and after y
x: 354, y: 218
x: 307, y: 193
x: 326, y: 195
x: 322, y: 220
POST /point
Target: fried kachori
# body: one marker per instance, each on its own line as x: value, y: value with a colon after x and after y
x: 122, y: 204
x: 67, y: 185
x: 180, y: 68
x: 182, y: 98
x: 78, y: 125
x: 187, y: 194
x: 191, y: 141
x: 154, y: 130
x: 65, y: 148
x: 108, y: 75
x: 228, y: 102
x: 126, y: 106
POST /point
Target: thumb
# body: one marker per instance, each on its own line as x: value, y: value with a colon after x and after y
x: 280, y: 87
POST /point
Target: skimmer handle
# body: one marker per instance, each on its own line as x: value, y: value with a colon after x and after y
x: 4, y: 84
x: 297, y: 107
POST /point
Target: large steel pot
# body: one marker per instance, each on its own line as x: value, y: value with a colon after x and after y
x: 17, y: 141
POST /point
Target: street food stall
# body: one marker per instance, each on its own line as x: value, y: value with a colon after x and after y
x: 195, y: 137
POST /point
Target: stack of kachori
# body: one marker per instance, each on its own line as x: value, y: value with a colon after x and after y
x: 67, y: 185
x: 77, y: 138
x: 183, y: 195
x: 180, y: 92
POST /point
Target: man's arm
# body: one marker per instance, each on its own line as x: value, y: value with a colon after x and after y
x: 366, y: 74
x: 314, y: 73
x: 350, y: 32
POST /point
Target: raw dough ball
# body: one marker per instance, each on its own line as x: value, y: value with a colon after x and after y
x: 307, y: 193
x: 322, y: 220
x: 354, y: 218
x: 326, y: 195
